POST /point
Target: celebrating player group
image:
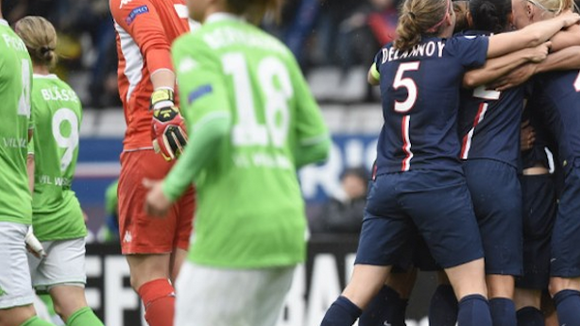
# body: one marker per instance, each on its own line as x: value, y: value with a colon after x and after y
x: 477, y: 124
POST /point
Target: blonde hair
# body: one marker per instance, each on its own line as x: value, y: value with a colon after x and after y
x: 418, y: 17
x: 554, y: 6
x: 40, y: 38
x: 255, y: 10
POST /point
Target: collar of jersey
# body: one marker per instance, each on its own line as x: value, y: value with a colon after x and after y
x: 49, y: 76
x: 3, y: 22
x: 221, y: 16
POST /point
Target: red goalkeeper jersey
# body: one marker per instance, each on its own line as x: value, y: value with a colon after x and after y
x: 145, y: 31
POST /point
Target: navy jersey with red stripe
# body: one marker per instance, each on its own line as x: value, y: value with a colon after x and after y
x: 489, y: 122
x: 420, y: 95
x: 556, y: 98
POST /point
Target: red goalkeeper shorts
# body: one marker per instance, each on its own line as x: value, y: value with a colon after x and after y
x: 139, y: 232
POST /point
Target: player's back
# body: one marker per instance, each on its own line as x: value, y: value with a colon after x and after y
x: 57, y: 114
x: 251, y: 194
x: 420, y: 96
x: 556, y: 98
x: 15, y: 83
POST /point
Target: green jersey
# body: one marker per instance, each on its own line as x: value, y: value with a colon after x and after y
x: 57, y: 113
x: 250, y: 211
x: 15, y: 83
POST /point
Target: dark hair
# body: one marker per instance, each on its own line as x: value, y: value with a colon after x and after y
x: 419, y: 17
x: 490, y: 15
x: 254, y: 10
x: 358, y: 172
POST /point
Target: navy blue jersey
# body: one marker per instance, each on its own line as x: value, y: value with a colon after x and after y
x: 556, y: 98
x: 537, y: 155
x: 420, y: 94
x: 489, y: 123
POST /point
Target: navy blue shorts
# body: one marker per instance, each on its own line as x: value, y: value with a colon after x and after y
x: 497, y: 201
x: 539, y: 214
x: 565, y: 258
x: 437, y: 203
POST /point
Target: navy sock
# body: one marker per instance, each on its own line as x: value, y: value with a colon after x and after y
x: 387, y: 307
x: 503, y: 312
x: 474, y: 311
x: 443, y: 307
x: 341, y: 313
x: 530, y: 316
x: 568, y: 307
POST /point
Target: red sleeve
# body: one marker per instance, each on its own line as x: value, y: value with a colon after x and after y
x: 139, y: 18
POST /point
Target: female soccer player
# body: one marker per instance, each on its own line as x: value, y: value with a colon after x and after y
x: 418, y: 179
x: 57, y: 217
x: 16, y: 295
x: 556, y: 99
x: 253, y: 122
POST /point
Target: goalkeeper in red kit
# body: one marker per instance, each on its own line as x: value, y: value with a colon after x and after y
x: 155, y: 136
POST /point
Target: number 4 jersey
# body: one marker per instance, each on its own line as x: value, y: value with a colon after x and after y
x: 57, y: 113
x: 250, y: 210
x: 15, y: 81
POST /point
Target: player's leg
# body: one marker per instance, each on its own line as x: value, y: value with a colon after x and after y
x: 62, y: 274
x: 565, y: 268
x: 441, y: 208
x: 186, y: 210
x: 16, y: 294
x: 146, y: 241
x: 384, y: 234
x: 496, y: 194
x: 539, y: 213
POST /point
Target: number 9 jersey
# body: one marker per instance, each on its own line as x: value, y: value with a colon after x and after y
x: 15, y: 82
x: 57, y: 115
x: 420, y: 92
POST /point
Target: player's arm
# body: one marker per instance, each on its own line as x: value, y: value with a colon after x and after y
x: 498, y: 67
x: 207, y: 109
x: 566, y: 38
x: 374, y: 76
x: 140, y: 19
x: 532, y: 35
x: 566, y: 59
x: 313, y: 143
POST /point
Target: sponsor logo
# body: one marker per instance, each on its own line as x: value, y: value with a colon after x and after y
x: 2, y: 292
x: 128, y: 237
x: 198, y: 93
x: 136, y: 12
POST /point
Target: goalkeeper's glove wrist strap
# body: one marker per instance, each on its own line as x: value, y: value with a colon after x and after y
x: 162, y: 98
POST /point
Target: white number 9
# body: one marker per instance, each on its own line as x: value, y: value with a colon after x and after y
x: 69, y: 142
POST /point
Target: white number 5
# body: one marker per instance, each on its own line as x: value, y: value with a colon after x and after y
x: 577, y: 83
x: 409, y: 84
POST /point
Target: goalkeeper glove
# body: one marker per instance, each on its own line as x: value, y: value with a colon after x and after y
x: 167, y: 126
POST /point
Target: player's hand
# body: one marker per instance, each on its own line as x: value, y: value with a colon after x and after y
x: 168, y: 131
x: 540, y: 52
x: 528, y: 136
x: 515, y: 78
x: 569, y: 18
x: 33, y: 245
x: 156, y: 203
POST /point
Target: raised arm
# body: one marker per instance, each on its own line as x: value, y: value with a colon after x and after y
x: 532, y: 35
x: 498, y: 67
x: 566, y: 38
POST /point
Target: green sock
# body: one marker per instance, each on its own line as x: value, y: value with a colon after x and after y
x: 84, y: 317
x: 47, y: 299
x: 35, y: 321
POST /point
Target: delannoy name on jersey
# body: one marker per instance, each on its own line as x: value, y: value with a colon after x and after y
x: 58, y: 94
x: 429, y: 49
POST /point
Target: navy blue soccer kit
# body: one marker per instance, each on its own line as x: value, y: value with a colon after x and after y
x: 419, y: 178
x: 489, y: 130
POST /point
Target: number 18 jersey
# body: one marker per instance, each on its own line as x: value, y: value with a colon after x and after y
x: 250, y: 211
x: 57, y: 214
x: 420, y: 94
x: 15, y: 82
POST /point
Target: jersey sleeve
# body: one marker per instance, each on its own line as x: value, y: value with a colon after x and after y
x: 139, y: 18
x: 310, y: 127
x: 471, y: 51
x: 376, y: 68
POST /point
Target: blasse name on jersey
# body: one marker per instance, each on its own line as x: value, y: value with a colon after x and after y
x: 58, y: 94
x: 428, y: 49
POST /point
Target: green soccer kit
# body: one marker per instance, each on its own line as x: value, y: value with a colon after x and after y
x: 57, y: 113
x: 252, y: 122
x: 15, y: 85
